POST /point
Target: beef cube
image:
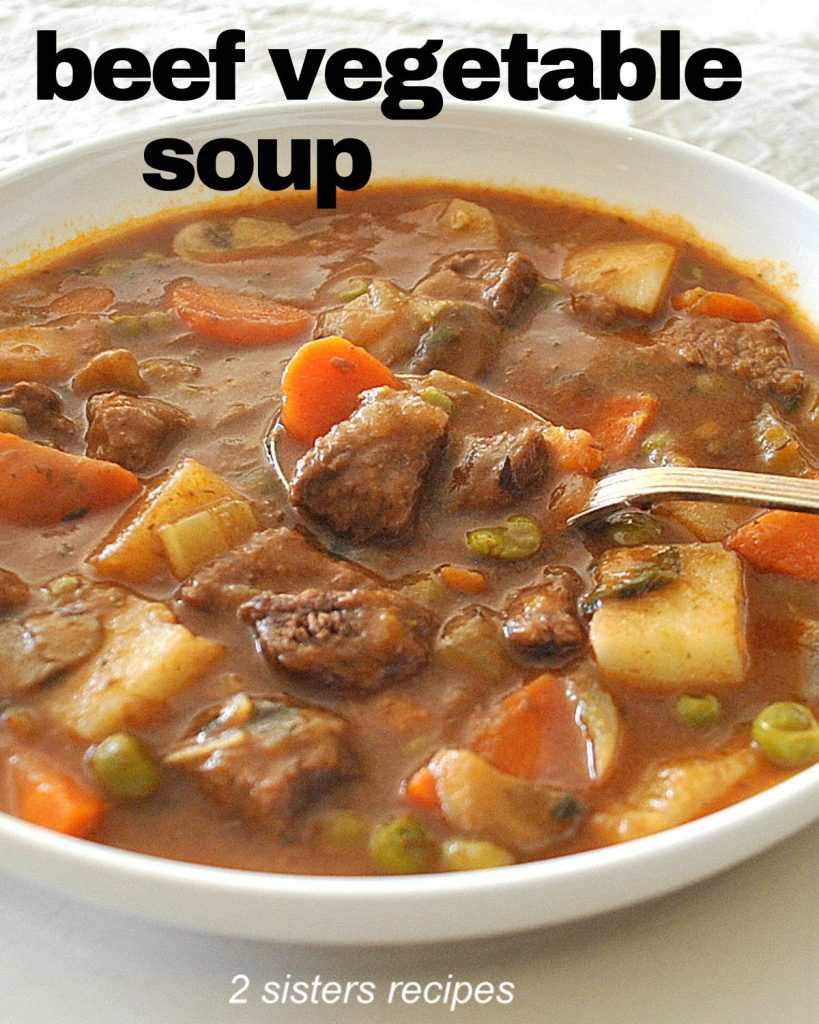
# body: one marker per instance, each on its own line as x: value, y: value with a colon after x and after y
x: 362, y: 639
x: 131, y: 430
x: 42, y: 408
x: 543, y: 620
x: 496, y: 472
x: 364, y: 478
x: 265, y: 758
x: 281, y: 561
x: 756, y: 353
x: 597, y: 310
x: 499, y: 282
x: 13, y: 591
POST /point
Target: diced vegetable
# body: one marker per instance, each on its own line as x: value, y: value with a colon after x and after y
x: 474, y: 855
x: 779, y: 448
x: 133, y: 550
x: 689, y: 632
x: 146, y: 657
x: 198, y: 538
x: 698, y: 711
x: 114, y: 370
x: 520, y: 537
x: 219, y: 241
x: 437, y: 397
x: 633, y: 572
x: 42, y: 353
x: 619, y: 423
x: 598, y: 715
x: 322, y: 384
x: 420, y: 789
x: 573, y: 451
x: 533, y: 734
x: 463, y: 581
x: 707, y: 520
x: 701, y: 302
x: 236, y: 318
x: 473, y: 641
x: 343, y: 830
x: 632, y: 274
x: 124, y: 767
x: 785, y: 542
x: 402, y: 846
x: 44, y: 795
x: 480, y: 800
x: 82, y: 301
x: 471, y: 226
x: 673, y: 793
x: 787, y: 734
x: 13, y: 423
x: 630, y: 529
x: 40, y: 485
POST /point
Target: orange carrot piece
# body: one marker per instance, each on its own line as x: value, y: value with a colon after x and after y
x: 421, y: 790
x: 574, y: 451
x: 322, y: 383
x: 464, y: 581
x: 701, y: 302
x: 532, y: 734
x: 235, y: 318
x: 620, y: 422
x: 40, y: 486
x: 46, y: 796
x: 784, y: 542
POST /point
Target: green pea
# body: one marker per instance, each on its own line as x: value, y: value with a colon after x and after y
x: 352, y: 288
x: 520, y: 537
x: 343, y: 829
x: 403, y: 846
x: 787, y: 734
x: 124, y: 767
x: 702, y: 710
x: 633, y: 528
x: 474, y: 855
x: 437, y: 398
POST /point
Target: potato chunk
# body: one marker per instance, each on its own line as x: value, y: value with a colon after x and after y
x: 687, y: 632
x: 632, y: 274
x: 673, y: 793
x: 145, y: 658
x: 45, y: 353
x: 133, y: 550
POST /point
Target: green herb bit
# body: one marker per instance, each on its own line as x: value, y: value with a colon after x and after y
x: 129, y: 325
x: 352, y: 288
x: 436, y: 397
x: 787, y: 734
x: 520, y: 537
x: 124, y: 767
x: 550, y: 290
x: 698, y: 711
x: 706, y: 383
x: 629, y: 529
x: 631, y: 572
x: 403, y: 846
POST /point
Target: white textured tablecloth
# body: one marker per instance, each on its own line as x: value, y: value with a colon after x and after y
x: 739, y: 949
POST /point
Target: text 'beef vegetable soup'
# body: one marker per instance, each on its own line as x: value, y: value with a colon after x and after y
x: 393, y: 655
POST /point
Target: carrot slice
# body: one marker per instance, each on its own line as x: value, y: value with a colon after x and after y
x: 784, y: 542
x: 532, y: 734
x: 235, y: 318
x: 620, y: 421
x: 464, y: 581
x: 322, y: 383
x: 701, y: 302
x: 421, y: 791
x: 40, y: 485
x: 45, y: 796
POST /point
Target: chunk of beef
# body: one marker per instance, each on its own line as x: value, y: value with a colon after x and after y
x: 42, y: 408
x: 543, y: 620
x: 13, y: 591
x: 131, y: 430
x: 364, y: 478
x: 280, y: 561
x: 363, y: 639
x: 597, y: 310
x: 35, y: 649
x: 500, y: 282
x: 265, y: 758
x: 497, y: 471
x: 756, y: 353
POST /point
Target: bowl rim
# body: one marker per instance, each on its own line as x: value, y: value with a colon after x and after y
x: 789, y: 805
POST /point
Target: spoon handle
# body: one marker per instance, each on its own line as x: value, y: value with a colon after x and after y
x: 643, y: 486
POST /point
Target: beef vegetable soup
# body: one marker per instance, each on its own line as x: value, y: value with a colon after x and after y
x: 391, y: 654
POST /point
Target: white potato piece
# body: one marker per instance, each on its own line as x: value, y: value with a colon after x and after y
x: 199, y: 538
x: 46, y: 353
x: 635, y: 275
x: 707, y: 520
x: 145, y: 658
x: 673, y: 793
x: 133, y: 551
x: 600, y: 719
x: 690, y: 632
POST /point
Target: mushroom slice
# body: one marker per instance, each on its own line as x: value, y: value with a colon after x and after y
x: 221, y: 241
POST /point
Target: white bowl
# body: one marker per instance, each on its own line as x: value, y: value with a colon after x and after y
x: 752, y: 216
